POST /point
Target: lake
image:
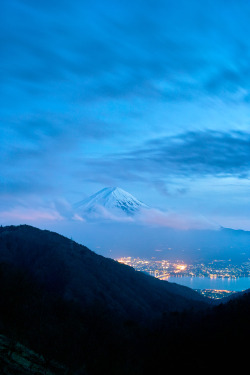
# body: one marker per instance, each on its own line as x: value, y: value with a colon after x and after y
x: 232, y: 284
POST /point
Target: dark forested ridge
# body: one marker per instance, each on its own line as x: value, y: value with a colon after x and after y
x: 93, y: 315
x: 74, y: 272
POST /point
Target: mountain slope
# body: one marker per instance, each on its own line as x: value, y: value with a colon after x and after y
x: 76, y: 273
x: 41, y: 272
x: 111, y: 198
x: 18, y: 359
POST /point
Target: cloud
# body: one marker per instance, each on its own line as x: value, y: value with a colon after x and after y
x: 23, y: 215
x: 35, y: 210
x: 150, y: 217
x: 190, y: 154
x: 122, y: 50
x: 203, y: 153
x: 38, y: 149
x: 101, y: 213
x: 64, y: 208
x: 158, y: 218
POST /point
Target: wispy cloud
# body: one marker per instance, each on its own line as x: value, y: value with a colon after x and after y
x: 23, y: 215
x: 36, y: 210
x: 132, y: 49
x: 190, y: 154
x: 101, y: 213
x: 62, y: 211
x: 170, y: 219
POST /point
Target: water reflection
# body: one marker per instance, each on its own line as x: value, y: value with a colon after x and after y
x: 226, y: 283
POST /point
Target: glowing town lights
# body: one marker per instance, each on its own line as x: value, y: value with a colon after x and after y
x: 181, y: 267
x: 213, y: 276
x: 165, y: 268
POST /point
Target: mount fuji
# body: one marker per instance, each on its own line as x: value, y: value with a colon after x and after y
x: 111, y: 199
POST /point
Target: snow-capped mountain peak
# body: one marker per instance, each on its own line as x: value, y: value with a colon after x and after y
x: 112, y: 198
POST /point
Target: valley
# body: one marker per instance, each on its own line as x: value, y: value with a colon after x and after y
x: 81, y: 313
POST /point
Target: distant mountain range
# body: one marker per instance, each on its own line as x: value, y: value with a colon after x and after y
x: 113, y: 199
x: 125, y: 226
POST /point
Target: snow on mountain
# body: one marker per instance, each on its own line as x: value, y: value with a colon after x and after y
x: 112, y: 199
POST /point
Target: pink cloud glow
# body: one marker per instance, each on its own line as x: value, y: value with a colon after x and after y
x: 26, y: 214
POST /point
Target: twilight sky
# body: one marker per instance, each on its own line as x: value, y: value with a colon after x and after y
x: 150, y: 96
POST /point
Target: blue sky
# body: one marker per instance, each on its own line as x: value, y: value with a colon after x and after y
x: 151, y: 96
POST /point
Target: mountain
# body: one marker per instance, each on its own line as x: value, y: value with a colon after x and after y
x: 64, y: 309
x: 15, y: 358
x: 113, y: 199
x: 76, y: 273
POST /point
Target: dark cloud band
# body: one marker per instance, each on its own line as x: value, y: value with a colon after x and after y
x: 188, y: 154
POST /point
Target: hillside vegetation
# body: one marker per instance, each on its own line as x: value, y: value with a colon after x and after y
x: 92, y: 315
